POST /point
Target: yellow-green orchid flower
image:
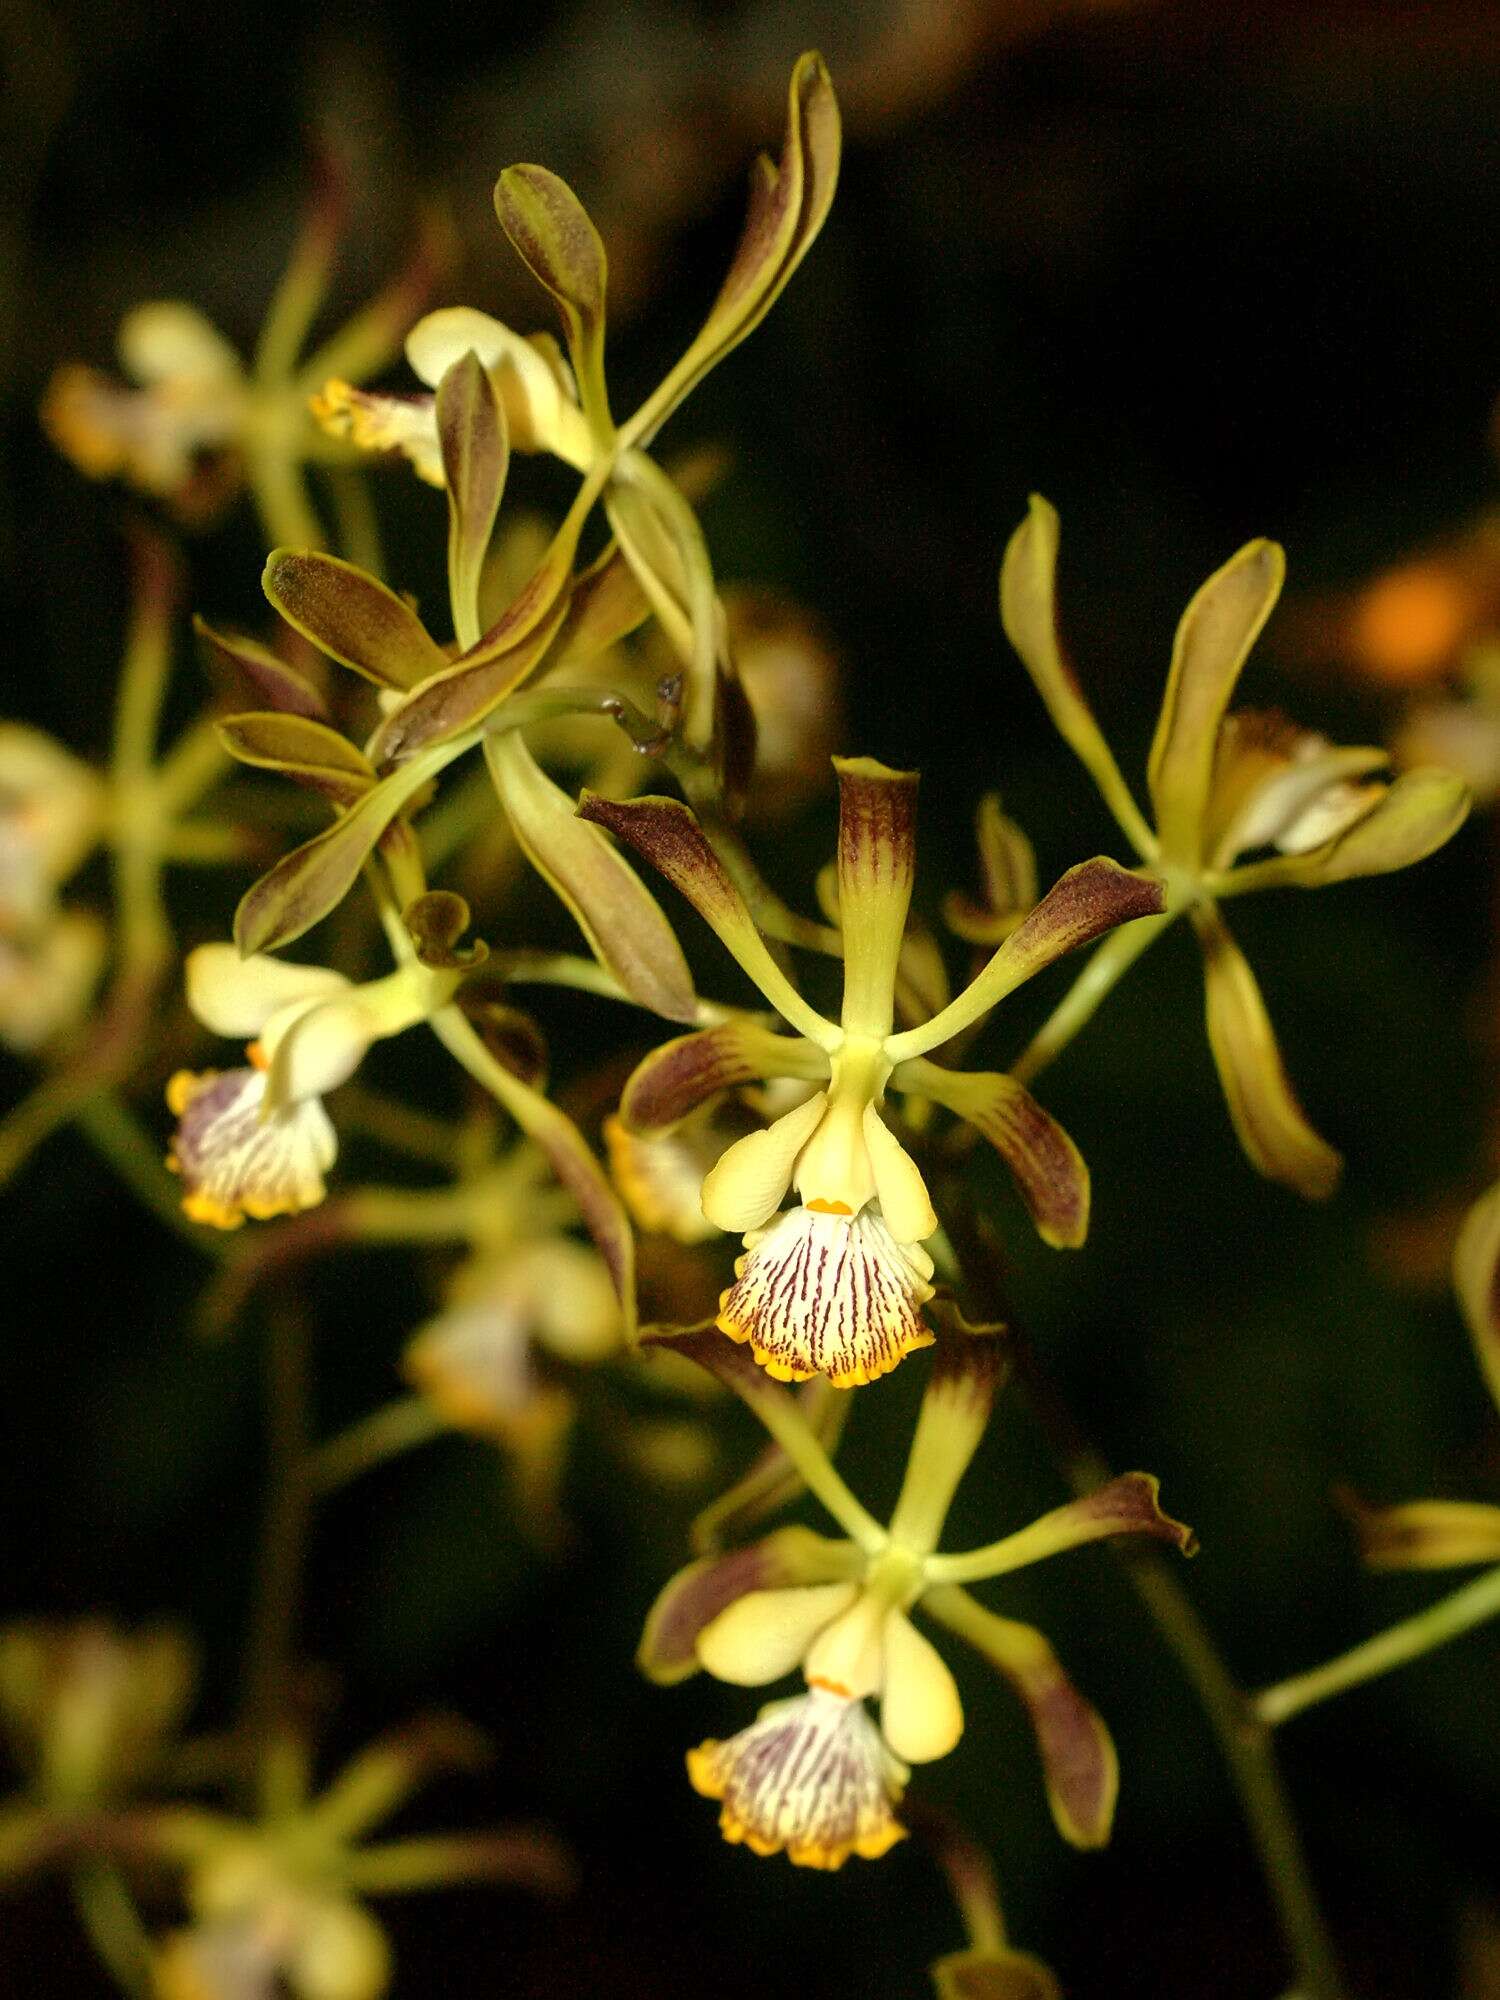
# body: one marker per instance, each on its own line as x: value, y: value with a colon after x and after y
x: 835, y: 1284
x: 256, y: 1141
x: 1225, y: 787
x: 193, y: 413
x: 278, y: 1904
x: 546, y: 403
x: 813, y: 1776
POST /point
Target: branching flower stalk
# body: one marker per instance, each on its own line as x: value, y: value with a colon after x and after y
x: 452, y: 765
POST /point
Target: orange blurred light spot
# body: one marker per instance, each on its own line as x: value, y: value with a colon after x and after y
x: 1409, y: 623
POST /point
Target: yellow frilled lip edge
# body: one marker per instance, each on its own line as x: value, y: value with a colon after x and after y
x: 811, y: 1854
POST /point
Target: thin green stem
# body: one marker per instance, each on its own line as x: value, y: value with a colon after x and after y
x: 1244, y: 1738
x: 1107, y: 964
x: 271, y: 1652
x: 1423, y: 1632
x: 109, y: 1915
x: 120, y: 1139
x: 418, y: 1134
x: 194, y: 762
x: 294, y: 305
x: 429, y: 1860
x: 280, y: 494
x: 355, y: 517
x: 383, y: 1435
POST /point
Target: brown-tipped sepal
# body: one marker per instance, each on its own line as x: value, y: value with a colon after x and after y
x: 1079, y: 1763
x: 700, y: 1592
x: 676, y: 1078
x: 1050, y: 1173
x: 352, y: 617
x: 876, y: 867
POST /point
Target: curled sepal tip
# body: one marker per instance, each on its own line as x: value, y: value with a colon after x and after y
x: 1080, y: 906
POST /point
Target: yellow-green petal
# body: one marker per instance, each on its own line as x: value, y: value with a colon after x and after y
x: 1476, y: 1278
x: 1028, y: 612
x: 1272, y: 1126
x: 667, y: 835
x: 876, y: 864
x: 1214, y: 637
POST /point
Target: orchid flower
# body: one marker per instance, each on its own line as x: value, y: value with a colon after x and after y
x: 192, y: 412
x: 256, y: 1141
x: 835, y: 1284
x: 1225, y: 786
x: 813, y: 1776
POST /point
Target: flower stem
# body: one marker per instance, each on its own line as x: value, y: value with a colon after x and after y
x: 117, y: 1135
x: 1245, y: 1740
x: 1243, y: 1735
x: 384, y: 1434
x: 114, y: 1925
x: 1423, y: 1632
x: 283, y: 1545
x: 1079, y: 1004
x: 282, y: 501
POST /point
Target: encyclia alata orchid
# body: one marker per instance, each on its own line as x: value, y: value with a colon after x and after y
x: 256, y: 1141
x: 1225, y: 785
x: 835, y: 1285
x: 813, y: 1776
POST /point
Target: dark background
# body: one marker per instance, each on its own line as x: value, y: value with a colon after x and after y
x: 1195, y: 276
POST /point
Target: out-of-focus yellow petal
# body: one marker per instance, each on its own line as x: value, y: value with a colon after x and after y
x: 1476, y: 1278
x: 168, y: 340
x: 1425, y: 1534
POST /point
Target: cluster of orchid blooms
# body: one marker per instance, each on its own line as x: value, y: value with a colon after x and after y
x: 828, y: 1141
